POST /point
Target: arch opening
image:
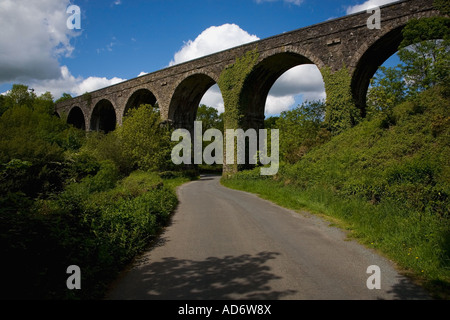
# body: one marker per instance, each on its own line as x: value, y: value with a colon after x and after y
x: 103, y: 117
x: 385, y: 53
x: 277, y: 84
x: 370, y: 62
x: 76, y: 118
x: 138, y: 98
x: 187, y: 98
x: 198, y: 98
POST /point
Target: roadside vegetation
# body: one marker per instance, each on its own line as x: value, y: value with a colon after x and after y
x: 71, y: 198
x: 386, y: 179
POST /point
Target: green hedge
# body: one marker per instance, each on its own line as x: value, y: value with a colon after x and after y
x: 99, y: 224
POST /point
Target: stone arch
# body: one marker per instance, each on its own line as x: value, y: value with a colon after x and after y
x: 373, y: 57
x: 261, y: 79
x: 139, y: 97
x: 76, y: 118
x: 186, y: 99
x: 103, y: 117
x: 372, y: 54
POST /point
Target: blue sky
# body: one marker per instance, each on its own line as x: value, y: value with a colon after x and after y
x: 120, y: 39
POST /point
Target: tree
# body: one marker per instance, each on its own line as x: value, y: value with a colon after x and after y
x: 64, y: 97
x: 270, y: 123
x: 210, y: 118
x: 33, y: 144
x: 301, y: 129
x: 386, y: 91
x: 425, y: 53
x: 21, y: 95
x: 3, y: 106
x: 424, y: 64
x: 45, y: 103
x: 144, y: 140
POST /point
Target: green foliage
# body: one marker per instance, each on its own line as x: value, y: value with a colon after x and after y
x: 142, y: 142
x: 145, y: 142
x: 64, y: 97
x: 271, y: 123
x: 210, y: 118
x: 443, y: 6
x: 87, y: 96
x: 425, y: 53
x: 3, y: 106
x: 64, y: 200
x: 105, y: 147
x: 99, y: 229
x: 342, y: 112
x: 424, y: 64
x: 420, y: 30
x: 301, y: 129
x: 231, y: 82
x: 387, y: 90
x: 31, y: 134
x: 20, y: 95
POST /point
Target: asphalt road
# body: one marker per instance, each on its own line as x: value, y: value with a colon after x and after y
x: 227, y: 245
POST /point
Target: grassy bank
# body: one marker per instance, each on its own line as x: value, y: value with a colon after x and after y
x: 386, y: 180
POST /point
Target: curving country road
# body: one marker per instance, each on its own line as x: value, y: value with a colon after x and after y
x: 225, y: 244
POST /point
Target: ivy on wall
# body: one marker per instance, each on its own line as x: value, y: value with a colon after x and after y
x: 341, y: 112
x: 443, y: 6
x: 231, y: 83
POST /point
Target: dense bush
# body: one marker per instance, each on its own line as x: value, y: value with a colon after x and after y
x: 301, y: 129
x: 99, y: 224
x: 71, y: 198
x: 141, y: 143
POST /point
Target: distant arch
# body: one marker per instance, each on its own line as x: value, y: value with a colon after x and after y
x: 103, y: 117
x: 76, y: 118
x: 186, y: 99
x: 138, y: 98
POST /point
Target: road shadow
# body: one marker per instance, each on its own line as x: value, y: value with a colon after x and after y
x: 244, y: 277
x: 405, y: 289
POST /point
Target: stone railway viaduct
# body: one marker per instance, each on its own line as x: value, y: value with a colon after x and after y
x: 345, y: 41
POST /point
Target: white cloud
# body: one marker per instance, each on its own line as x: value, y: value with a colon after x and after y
x: 275, y: 105
x: 142, y: 74
x: 296, y: 2
x: 213, y: 98
x: 301, y: 79
x: 369, y: 4
x: 298, y: 84
x: 67, y: 83
x: 34, y: 35
x: 213, y: 39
